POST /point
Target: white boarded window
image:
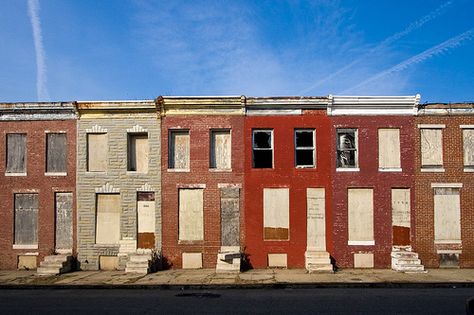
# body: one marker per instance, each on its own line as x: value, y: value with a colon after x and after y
x: 361, y: 216
x: 16, y: 153
x: 431, y: 148
x: 56, y: 153
x: 26, y: 219
x: 447, y: 211
x: 468, y: 146
x: 138, y: 153
x: 276, y: 213
x: 262, y: 148
x: 221, y: 148
x: 97, y: 149
x: 347, y: 155
x: 178, y: 149
x: 108, y: 219
x: 305, y: 148
x: 191, y: 214
x: 389, y: 149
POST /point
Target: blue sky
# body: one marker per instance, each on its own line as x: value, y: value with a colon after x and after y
x: 61, y: 50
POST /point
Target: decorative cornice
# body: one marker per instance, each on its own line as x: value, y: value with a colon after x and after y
x: 373, y: 105
x: 138, y: 106
x: 283, y: 105
x: 201, y: 105
x: 454, y: 109
x: 107, y: 189
x: 96, y: 129
x: 137, y: 129
x: 146, y: 187
x: 38, y: 111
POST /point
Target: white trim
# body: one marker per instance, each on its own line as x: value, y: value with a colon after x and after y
x: 431, y: 126
x: 446, y: 185
x: 432, y: 170
x: 361, y: 243
x: 468, y: 170
x: 347, y: 169
x: 96, y: 129
x: 55, y: 174
x: 178, y: 170
x: 223, y: 170
x: 137, y: 129
x: 29, y: 254
x: 273, y: 112
x: 107, y: 189
x: 226, y: 185
x: 393, y: 169
x: 448, y: 251
x: 146, y: 188
x: 25, y: 246
x: 448, y: 242
x: 373, y: 105
x: 15, y: 174
x: 466, y: 126
x: 200, y: 186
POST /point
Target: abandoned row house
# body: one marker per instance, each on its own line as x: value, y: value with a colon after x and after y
x: 235, y: 182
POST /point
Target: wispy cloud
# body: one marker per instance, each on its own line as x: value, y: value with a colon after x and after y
x: 383, y: 44
x: 41, y: 75
x: 427, y: 54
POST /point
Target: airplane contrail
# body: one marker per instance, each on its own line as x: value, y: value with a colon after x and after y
x: 387, y: 41
x: 41, y: 79
x: 429, y: 53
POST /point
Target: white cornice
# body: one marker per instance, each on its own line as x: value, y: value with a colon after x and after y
x: 373, y: 105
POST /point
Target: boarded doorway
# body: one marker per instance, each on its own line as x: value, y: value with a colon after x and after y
x: 63, y: 222
x: 146, y: 219
x: 401, y: 217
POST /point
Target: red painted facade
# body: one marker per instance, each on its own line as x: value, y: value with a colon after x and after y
x: 369, y: 176
x: 284, y: 174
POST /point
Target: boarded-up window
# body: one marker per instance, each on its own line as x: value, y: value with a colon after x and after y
x: 138, y: 153
x: 401, y: 216
x: 276, y: 206
x: 26, y: 219
x: 447, y: 213
x: 16, y: 153
x: 361, y: 215
x: 262, y: 148
x: 108, y: 219
x: 64, y: 202
x: 347, y: 156
x: 191, y: 215
x: 220, y: 149
x: 178, y: 155
x: 431, y: 148
x: 305, y: 148
x: 97, y: 148
x: 389, y: 148
x: 468, y: 144
x: 56, y: 153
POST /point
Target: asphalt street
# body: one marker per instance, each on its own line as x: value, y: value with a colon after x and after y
x: 236, y: 301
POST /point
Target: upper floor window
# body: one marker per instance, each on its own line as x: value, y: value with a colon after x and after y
x: 178, y: 150
x: 305, y: 148
x: 97, y: 149
x: 221, y: 147
x: 468, y: 147
x: 431, y: 138
x: 137, y: 152
x: 16, y: 153
x: 56, y: 153
x: 389, y: 149
x: 262, y: 148
x: 347, y: 155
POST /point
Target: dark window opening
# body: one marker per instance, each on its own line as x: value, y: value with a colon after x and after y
x: 262, y: 145
x: 304, y: 148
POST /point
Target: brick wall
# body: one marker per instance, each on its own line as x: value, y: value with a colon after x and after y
x: 34, y: 182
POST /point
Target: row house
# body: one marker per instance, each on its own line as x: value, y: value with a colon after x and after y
x: 118, y: 185
x: 37, y: 183
x: 444, y: 177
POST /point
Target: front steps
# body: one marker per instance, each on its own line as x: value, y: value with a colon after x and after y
x: 55, y: 265
x: 228, y: 259
x: 140, y: 262
x: 405, y: 260
x: 318, y: 262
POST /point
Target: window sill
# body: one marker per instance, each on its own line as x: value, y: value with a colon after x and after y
x: 96, y: 172
x: 361, y: 243
x: 55, y: 174
x: 136, y: 173
x: 432, y: 170
x: 468, y: 170
x: 98, y: 245
x: 304, y: 167
x: 348, y: 169
x: 223, y: 170
x: 447, y: 242
x: 194, y: 242
x: 26, y: 246
x: 178, y: 170
x: 15, y: 174
x: 395, y: 169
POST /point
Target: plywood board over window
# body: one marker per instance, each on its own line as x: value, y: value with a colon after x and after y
x: 389, y: 148
x: 431, y: 148
x: 108, y: 218
x: 26, y: 219
x: 276, y: 206
x: 468, y: 146
x: 221, y: 147
x: 64, y: 203
x: 178, y: 150
x: 138, y: 153
x: 447, y: 212
x: 97, y: 149
x: 191, y: 215
x: 16, y: 153
x: 361, y: 216
x: 56, y: 153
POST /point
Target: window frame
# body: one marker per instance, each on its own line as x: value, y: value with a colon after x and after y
x: 88, y: 152
x: 46, y: 171
x: 355, y: 167
x: 464, y: 129
x: 254, y: 131
x: 25, y: 162
x: 212, y: 157
x: 130, y: 136
x: 313, y: 148
x: 426, y: 167
x: 171, y: 144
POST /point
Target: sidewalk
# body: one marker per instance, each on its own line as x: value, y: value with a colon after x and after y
x: 208, y: 278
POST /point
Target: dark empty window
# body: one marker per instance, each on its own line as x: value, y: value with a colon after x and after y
x: 304, y: 148
x: 56, y: 150
x: 16, y: 153
x: 262, y: 148
x: 347, y: 148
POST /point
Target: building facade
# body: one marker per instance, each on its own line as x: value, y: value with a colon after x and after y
x: 37, y: 182
x: 118, y: 184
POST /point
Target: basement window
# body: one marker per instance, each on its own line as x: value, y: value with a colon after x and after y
x: 262, y: 148
x: 347, y: 148
x: 305, y: 148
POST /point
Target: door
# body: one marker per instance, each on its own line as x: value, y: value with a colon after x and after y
x: 146, y: 219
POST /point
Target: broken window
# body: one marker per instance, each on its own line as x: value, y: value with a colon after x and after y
x: 191, y: 215
x: 178, y: 149
x: 431, y: 148
x: 361, y: 216
x: 468, y: 144
x: 389, y: 148
x: 220, y: 149
x: 108, y: 219
x: 16, y: 153
x: 447, y: 215
x: 305, y: 148
x: 56, y: 153
x: 26, y: 219
x: 262, y: 148
x: 97, y: 152
x: 347, y: 148
x: 276, y: 213
x: 138, y: 153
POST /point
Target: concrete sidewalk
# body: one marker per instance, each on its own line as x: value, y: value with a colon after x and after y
x: 208, y: 278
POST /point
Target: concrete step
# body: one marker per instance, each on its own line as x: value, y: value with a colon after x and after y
x: 137, y: 270
x: 318, y: 261
x: 413, y: 261
x: 401, y: 255
x: 323, y: 268
x: 229, y: 256
x: 317, y: 255
x: 43, y: 271
x: 410, y: 268
x: 140, y: 264
x: 57, y: 258
x: 227, y: 267
x: 139, y: 258
x: 53, y: 264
